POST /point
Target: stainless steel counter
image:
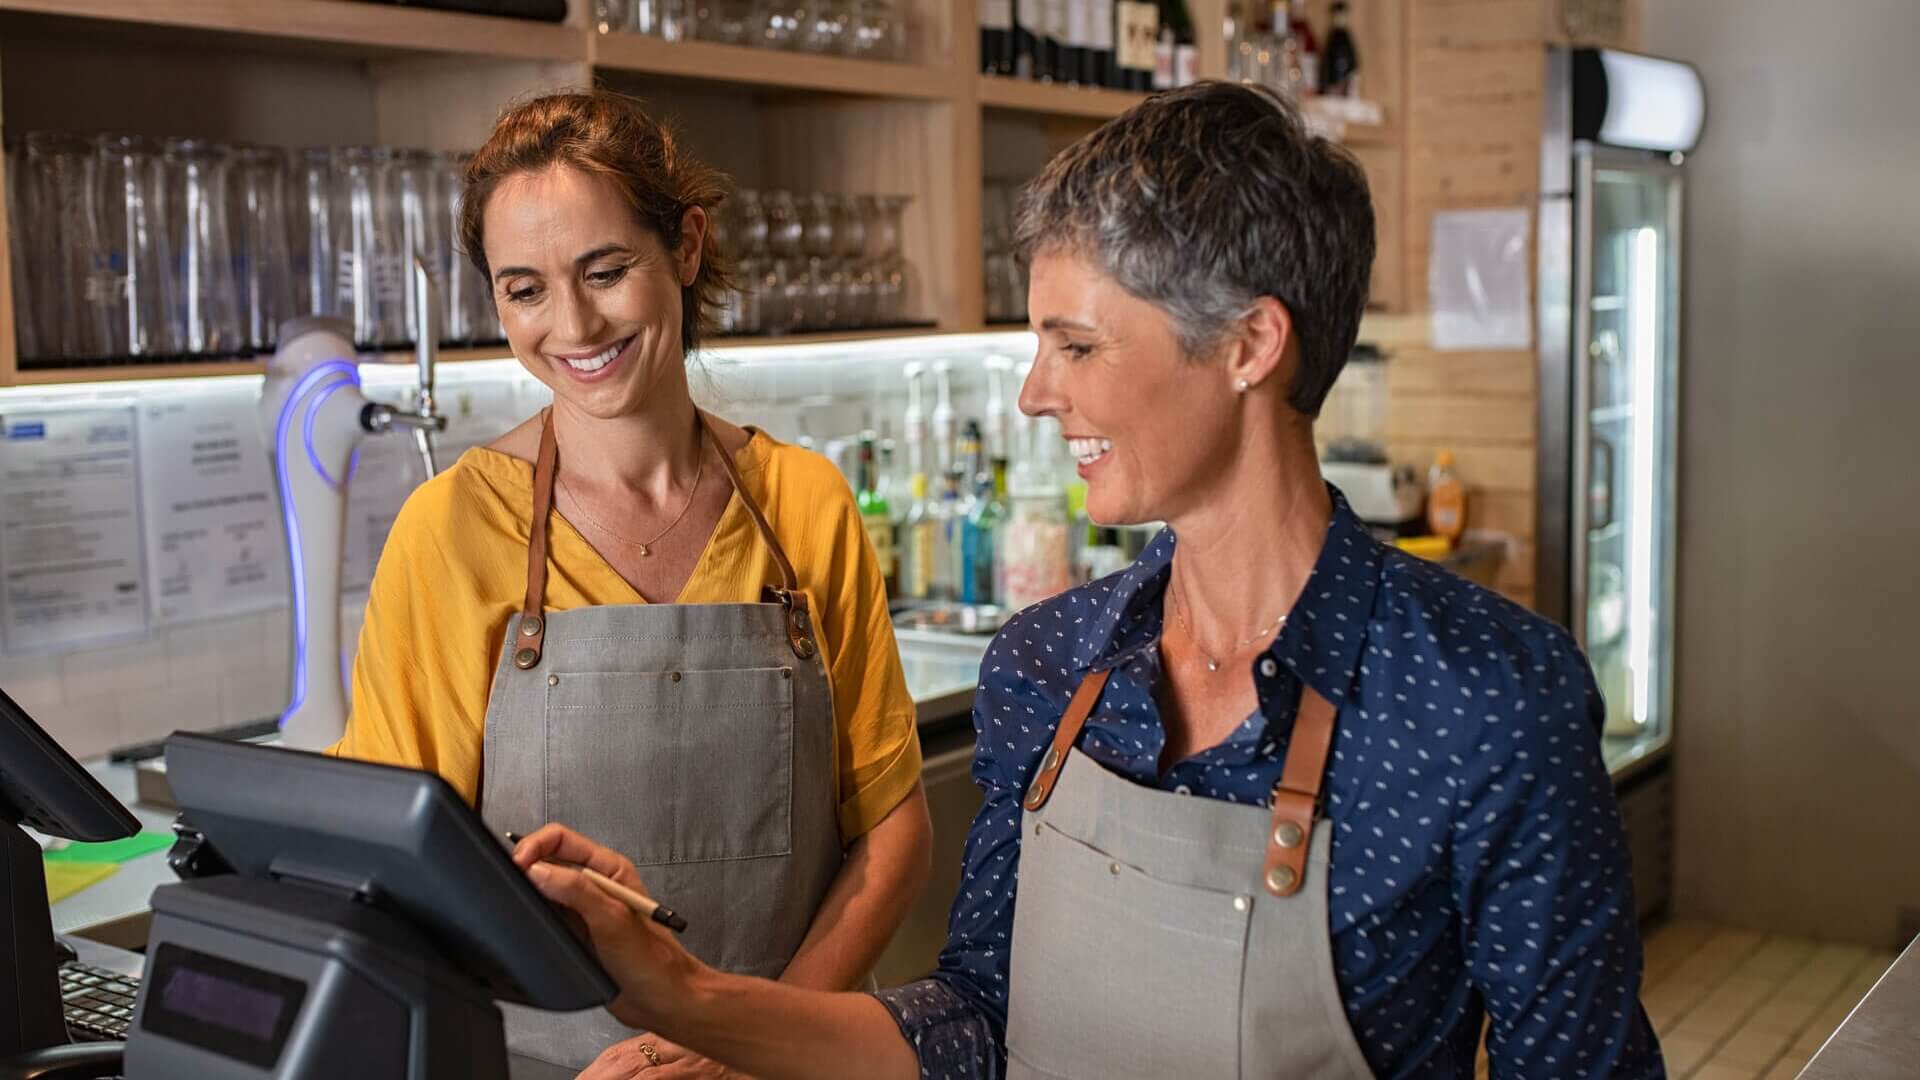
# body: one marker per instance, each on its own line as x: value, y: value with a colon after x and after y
x: 941, y: 670
x: 1881, y: 1037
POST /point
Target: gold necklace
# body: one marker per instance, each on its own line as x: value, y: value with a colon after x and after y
x: 1179, y: 612
x: 645, y: 547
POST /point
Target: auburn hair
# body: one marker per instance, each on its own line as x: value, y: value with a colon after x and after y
x: 609, y: 135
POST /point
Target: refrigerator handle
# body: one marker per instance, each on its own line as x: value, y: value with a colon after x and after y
x: 1600, y: 513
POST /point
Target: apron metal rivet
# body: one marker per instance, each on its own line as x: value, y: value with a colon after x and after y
x: 553, y: 680
x: 1052, y: 759
x: 1114, y: 869
x: 1280, y: 878
x: 674, y: 675
x: 1287, y: 835
x: 786, y: 673
x: 526, y: 658
x: 530, y: 626
x: 1239, y: 903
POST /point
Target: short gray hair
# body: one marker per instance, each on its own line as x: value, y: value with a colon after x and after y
x: 1201, y: 201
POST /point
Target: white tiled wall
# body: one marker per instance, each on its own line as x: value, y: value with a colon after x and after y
x: 232, y: 670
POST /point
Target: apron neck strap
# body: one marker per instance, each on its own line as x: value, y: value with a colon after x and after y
x: 1064, y: 736
x: 532, y: 633
x: 532, y: 624
x: 1296, y: 797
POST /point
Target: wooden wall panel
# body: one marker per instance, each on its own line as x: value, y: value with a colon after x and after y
x: 1474, y: 108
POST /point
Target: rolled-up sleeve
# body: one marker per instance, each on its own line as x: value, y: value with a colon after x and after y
x: 956, y: 1019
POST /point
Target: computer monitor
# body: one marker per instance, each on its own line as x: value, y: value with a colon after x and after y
x: 42, y: 788
x: 402, y: 840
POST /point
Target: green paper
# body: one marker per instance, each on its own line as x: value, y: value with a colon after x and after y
x: 66, y: 878
x: 113, y: 851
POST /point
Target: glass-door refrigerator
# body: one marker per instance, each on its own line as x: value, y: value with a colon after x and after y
x: 1613, y: 192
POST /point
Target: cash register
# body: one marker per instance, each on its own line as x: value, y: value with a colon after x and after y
x: 354, y: 920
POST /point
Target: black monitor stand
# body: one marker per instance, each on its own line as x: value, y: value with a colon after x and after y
x: 43, y: 788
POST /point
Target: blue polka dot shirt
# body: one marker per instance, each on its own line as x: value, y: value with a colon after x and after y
x: 1478, y: 867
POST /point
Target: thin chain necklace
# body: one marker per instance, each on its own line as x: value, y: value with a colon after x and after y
x: 645, y: 547
x: 1266, y: 629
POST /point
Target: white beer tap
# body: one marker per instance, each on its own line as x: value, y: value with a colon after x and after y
x: 313, y: 416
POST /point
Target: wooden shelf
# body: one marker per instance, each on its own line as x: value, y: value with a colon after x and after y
x: 369, y: 28
x: 1053, y: 99
x: 768, y: 68
x: 135, y: 372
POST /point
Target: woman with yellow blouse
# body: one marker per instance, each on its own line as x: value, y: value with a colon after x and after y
x: 661, y: 629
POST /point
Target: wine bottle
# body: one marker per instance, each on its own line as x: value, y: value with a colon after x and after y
x: 1100, y: 67
x: 1340, y: 67
x: 996, y: 37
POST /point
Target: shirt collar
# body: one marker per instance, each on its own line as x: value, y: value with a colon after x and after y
x: 1320, y: 642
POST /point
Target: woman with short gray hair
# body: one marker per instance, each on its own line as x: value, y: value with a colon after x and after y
x: 1279, y: 800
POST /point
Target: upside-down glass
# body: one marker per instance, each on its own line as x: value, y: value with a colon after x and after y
x: 785, y: 280
x: 134, y: 232
x: 310, y: 231
x: 851, y: 254
x: 264, y: 259
x: 22, y: 215
x: 469, y: 302
x: 778, y: 24
x: 754, y: 266
x: 73, y: 284
x: 423, y: 232
x: 730, y: 22
x: 205, y: 291
x: 894, y: 282
x: 371, y: 275
x: 877, y: 30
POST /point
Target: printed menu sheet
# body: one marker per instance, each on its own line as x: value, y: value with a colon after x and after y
x: 69, y: 528
x: 215, y: 542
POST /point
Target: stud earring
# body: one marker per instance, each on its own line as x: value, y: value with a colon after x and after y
x: 1243, y: 386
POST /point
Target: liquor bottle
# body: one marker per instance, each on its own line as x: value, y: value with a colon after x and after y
x: 996, y: 37
x: 1076, y: 36
x: 983, y: 536
x: 919, y: 543
x: 1100, y: 67
x: 1136, y: 30
x: 875, y: 514
x: 1055, y: 45
x: 1029, y: 38
x: 1340, y: 67
x: 1309, y: 47
x: 1173, y: 45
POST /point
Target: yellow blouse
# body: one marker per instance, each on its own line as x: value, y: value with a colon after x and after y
x: 454, y: 570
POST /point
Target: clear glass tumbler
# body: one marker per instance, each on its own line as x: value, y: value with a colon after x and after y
x: 133, y: 218
x: 207, y: 296
x: 73, y: 284
x: 264, y: 257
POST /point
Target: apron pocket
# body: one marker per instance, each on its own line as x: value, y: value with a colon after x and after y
x: 1120, y: 974
x: 673, y: 767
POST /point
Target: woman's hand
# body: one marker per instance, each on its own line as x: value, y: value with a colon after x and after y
x: 651, y: 968
x: 667, y: 1061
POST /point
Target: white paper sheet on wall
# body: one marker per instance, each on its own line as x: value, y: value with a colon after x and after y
x: 69, y: 528
x: 477, y: 413
x: 1479, y: 279
x: 215, y: 544
x: 389, y: 469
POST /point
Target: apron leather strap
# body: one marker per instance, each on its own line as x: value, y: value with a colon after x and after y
x: 532, y: 635
x: 1064, y: 736
x: 788, y: 594
x: 532, y: 622
x: 1296, y: 798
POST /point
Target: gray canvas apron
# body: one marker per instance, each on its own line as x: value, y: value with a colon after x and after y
x: 695, y: 739
x: 1159, y: 935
